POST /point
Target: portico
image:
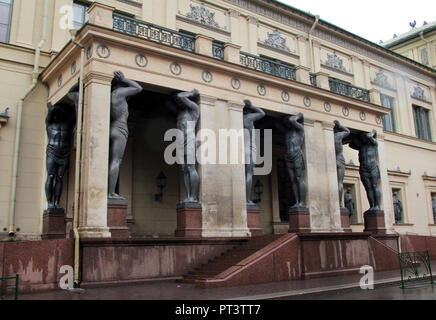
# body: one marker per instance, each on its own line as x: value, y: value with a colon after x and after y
x: 165, y: 67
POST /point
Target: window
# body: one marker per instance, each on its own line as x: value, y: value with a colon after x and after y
x: 80, y: 14
x: 422, y: 123
x: 389, y: 119
x: 5, y: 19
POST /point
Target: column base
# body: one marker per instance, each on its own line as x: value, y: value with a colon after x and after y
x: 345, y: 219
x: 375, y: 221
x: 117, y: 218
x: 94, y: 232
x: 189, y: 220
x: 299, y: 219
x: 253, y: 220
x: 53, y: 224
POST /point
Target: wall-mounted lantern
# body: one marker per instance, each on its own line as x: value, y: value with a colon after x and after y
x: 161, y: 182
x: 4, y: 117
x: 258, y: 189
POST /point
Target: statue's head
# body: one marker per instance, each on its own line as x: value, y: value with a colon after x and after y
x: 348, y: 190
x: 62, y: 113
x: 395, y: 194
x: 195, y: 95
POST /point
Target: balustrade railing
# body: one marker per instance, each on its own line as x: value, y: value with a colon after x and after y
x: 152, y: 32
x: 268, y: 66
x: 348, y: 90
x: 218, y: 50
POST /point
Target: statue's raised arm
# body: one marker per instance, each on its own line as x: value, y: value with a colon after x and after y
x: 132, y: 88
x: 255, y: 113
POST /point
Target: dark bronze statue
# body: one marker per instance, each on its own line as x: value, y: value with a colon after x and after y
x: 251, y: 114
x: 187, y: 118
x: 340, y: 132
x: 122, y: 88
x: 349, y: 202
x: 366, y: 144
x: 293, y: 129
x: 398, y: 208
x: 58, y: 125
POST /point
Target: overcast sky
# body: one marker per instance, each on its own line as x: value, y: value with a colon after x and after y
x: 374, y: 20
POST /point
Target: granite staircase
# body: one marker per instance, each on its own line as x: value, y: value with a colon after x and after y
x: 221, y: 267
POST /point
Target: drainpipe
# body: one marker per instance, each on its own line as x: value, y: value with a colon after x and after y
x: 78, y: 169
x: 312, y: 66
x: 35, y: 75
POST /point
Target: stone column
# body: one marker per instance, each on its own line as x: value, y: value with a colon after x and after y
x: 252, y: 34
x: 316, y: 56
x: 238, y: 183
x: 275, y: 200
x: 235, y: 29
x: 359, y: 79
x: 59, y: 37
x: 101, y: 15
x: 215, y: 222
x: 322, y: 182
x: 332, y: 192
x: 366, y: 74
x: 405, y: 123
x: 27, y: 11
x: 203, y: 45
x: 95, y: 158
x: 302, y: 51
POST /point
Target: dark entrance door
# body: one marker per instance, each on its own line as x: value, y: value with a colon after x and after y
x: 286, y: 198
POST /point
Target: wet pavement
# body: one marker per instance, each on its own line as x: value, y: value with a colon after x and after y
x: 387, y: 286
x: 391, y: 292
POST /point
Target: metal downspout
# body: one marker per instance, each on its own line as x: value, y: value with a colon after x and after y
x: 312, y: 66
x: 78, y: 168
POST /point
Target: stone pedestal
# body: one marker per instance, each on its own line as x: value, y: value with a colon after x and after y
x: 253, y: 220
x: 53, y: 224
x: 299, y: 219
x: 345, y: 219
x: 189, y: 220
x: 375, y: 221
x: 117, y: 218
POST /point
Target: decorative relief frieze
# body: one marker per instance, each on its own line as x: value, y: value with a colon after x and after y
x: 277, y: 41
x: 204, y: 16
x: 382, y: 80
x: 419, y: 93
x: 335, y: 62
x: 363, y: 49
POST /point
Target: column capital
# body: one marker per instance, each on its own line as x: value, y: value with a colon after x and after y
x: 234, y: 13
x: 98, y: 77
x: 355, y: 58
x: 316, y: 44
x: 301, y: 38
x: 235, y: 106
x: 366, y: 63
x: 326, y: 125
x: 207, y: 100
x: 252, y: 20
x: 309, y: 122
